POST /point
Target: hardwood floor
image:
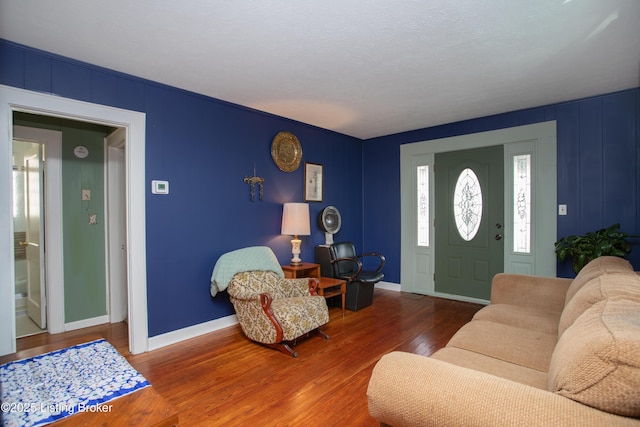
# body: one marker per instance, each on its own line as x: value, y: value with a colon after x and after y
x: 224, y: 379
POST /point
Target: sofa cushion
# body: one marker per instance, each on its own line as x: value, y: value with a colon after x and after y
x: 493, y: 366
x: 625, y: 284
x: 521, y: 317
x: 595, y: 268
x: 597, y: 359
x: 523, y: 347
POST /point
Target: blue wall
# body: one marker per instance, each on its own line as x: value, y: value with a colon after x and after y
x: 598, y: 169
x: 204, y: 148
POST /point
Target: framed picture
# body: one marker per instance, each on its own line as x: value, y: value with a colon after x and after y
x: 312, y: 182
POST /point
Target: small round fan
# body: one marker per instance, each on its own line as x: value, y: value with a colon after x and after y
x: 329, y: 221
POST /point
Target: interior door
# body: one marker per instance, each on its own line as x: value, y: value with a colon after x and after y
x: 34, y: 211
x: 469, y: 222
x: 117, y: 230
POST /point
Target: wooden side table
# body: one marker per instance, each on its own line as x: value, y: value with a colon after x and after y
x: 306, y: 269
x: 329, y: 287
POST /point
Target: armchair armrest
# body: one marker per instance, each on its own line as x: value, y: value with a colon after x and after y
x: 298, y: 287
x: 544, y: 293
x: 412, y: 390
x: 357, y: 267
x: 380, y: 257
x: 313, y: 286
x: 265, y: 302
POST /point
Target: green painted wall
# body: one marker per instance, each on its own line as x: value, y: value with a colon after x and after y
x: 85, y: 293
x: 84, y: 251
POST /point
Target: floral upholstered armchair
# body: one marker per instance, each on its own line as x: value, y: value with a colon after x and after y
x: 276, y: 311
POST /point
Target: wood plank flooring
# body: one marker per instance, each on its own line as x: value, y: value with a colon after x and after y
x: 224, y: 379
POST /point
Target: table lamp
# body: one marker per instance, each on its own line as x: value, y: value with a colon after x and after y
x: 295, y: 222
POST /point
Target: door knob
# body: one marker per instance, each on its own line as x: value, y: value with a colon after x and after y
x: 498, y: 236
x: 498, y: 226
x: 23, y: 243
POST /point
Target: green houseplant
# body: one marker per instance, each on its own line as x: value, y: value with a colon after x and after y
x: 582, y: 249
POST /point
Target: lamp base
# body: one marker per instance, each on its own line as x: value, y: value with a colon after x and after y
x: 295, y: 251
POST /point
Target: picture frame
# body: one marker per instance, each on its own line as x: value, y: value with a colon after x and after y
x: 313, y: 185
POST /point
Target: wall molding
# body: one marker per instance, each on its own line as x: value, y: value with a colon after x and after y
x: 390, y: 286
x: 189, y: 332
x: 177, y: 336
x: 86, y: 323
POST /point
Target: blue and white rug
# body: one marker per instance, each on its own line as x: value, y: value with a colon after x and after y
x: 51, y: 386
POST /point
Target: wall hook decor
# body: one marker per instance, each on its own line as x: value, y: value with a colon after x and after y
x: 252, y: 181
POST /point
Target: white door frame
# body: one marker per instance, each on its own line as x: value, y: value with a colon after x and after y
x: 542, y: 262
x: 14, y: 99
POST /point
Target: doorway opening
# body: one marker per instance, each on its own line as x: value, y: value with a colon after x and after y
x: 94, y: 285
x: 17, y: 100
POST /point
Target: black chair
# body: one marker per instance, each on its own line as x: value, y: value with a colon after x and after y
x: 353, y: 268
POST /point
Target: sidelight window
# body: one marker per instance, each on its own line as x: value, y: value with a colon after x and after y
x: 423, y: 205
x: 522, y: 203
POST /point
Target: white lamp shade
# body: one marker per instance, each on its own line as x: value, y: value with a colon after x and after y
x: 295, y: 219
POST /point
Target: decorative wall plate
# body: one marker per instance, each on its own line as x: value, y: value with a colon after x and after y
x: 286, y: 151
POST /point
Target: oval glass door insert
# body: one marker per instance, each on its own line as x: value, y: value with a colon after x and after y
x: 467, y: 204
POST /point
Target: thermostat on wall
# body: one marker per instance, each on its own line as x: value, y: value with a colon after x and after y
x: 160, y: 187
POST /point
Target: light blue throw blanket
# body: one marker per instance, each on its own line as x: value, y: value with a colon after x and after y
x: 260, y: 258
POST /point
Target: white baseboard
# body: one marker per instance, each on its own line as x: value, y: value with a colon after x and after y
x: 174, y: 337
x: 460, y: 298
x: 398, y: 288
x: 179, y: 335
x: 389, y: 286
x: 85, y: 323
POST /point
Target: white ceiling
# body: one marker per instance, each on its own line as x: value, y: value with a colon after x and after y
x: 364, y: 68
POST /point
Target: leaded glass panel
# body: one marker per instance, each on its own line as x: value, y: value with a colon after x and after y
x: 423, y: 205
x: 467, y: 204
x: 522, y: 203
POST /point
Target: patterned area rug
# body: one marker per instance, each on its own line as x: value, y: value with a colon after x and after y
x: 51, y: 386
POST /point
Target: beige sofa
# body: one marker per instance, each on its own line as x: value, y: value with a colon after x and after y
x: 545, y: 352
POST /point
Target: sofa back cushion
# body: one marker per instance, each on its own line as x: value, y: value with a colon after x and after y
x: 597, y: 359
x: 595, y: 268
x: 609, y: 285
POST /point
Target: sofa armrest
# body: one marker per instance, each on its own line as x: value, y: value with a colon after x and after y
x: 411, y: 390
x: 544, y: 293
